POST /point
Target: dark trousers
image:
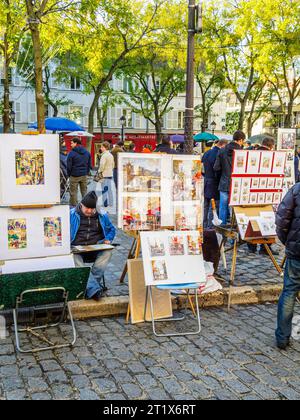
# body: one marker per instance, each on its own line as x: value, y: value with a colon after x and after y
x: 208, y: 213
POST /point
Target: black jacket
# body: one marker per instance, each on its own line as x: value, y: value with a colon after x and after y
x: 79, y: 162
x: 288, y: 222
x: 211, y: 177
x: 164, y: 148
x: 224, y: 165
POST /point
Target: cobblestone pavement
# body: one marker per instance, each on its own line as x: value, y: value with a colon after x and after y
x: 233, y: 358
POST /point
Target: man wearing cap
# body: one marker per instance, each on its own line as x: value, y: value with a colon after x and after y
x: 90, y: 227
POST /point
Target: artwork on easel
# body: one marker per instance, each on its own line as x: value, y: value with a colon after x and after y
x: 262, y: 181
x: 255, y: 223
x: 29, y: 168
x: 286, y: 139
x: 172, y: 257
x: 159, y: 190
x: 34, y: 233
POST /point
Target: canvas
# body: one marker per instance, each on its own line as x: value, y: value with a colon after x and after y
x: 29, y: 168
x: 286, y: 139
x: 34, y: 233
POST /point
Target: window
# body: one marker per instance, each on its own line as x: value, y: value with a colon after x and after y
x: 128, y: 116
x: 118, y: 84
x: 17, y: 78
x: 138, y: 121
x: 2, y: 76
x: 32, y: 112
x: 126, y: 85
x: 157, y: 85
x: 115, y: 116
x: 105, y: 121
x: 76, y: 114
x: 18, y: 112
x: 75, y: 83
x: 180, y: 119
x: 172, y: 120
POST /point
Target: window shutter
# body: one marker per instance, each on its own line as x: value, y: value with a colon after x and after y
x: 32, y: 112
x: 86, y: 117
x: 18, y: 112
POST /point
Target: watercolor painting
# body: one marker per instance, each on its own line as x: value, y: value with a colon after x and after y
x: 186, y: 180
x: 17, y: 233
x: 159, y: 270
x: 156, y: 247
x: 30, y: 167
x: 176, y: 244
x: 141, y: 175
x: 52, y: 232
x: 194, y: 244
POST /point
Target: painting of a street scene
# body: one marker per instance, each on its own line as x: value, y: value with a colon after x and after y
x: 142, y: 175
x: 17, y: 233
x: 176, y: 244
x: 187, y: 217
x: 194, y: 244
x: 30, y: 167
x: 141, y: 213
x: 52, y: 232
x: 186, y: 180
x: 159, y: 269
x: 156, y: 247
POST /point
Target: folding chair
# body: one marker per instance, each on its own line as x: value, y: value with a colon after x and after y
x: 43, y: 292
x: 184, y: 286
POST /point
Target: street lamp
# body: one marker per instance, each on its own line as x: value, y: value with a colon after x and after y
x: 123, y: 122
x: 12, y: 116
x: 213, y: 127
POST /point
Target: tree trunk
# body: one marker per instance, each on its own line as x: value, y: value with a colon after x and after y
x: 158, y: 130
x: 92, y: 111
x: 288, y: 123
x: 242, y: 115
x: 6, y: 104
x: 38, y: 64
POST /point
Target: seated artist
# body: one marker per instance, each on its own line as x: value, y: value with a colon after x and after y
x: 88, y: 227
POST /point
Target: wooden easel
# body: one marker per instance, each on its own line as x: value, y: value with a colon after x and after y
x: 232, y: 233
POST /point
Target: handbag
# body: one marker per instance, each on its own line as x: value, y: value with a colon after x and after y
x: 98, y: 177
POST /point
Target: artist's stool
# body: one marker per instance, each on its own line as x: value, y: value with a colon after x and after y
x: 185, y: 286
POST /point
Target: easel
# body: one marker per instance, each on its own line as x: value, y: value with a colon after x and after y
x: 231, y: 232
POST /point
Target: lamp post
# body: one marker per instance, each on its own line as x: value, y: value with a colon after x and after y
x: 213, y: 127
x: 123, y: 122
x: 12, y: 116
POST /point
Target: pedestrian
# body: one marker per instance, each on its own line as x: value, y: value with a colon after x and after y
x: 79, y: 165
x: 147, y: 148
x: 223, y: 165
x: 89, y: 227
x: 288, y: 231
x: 211, y: 182
x: 105, y: 170
x: 165, y: 146
x: 119, y: 148
x: 131, y: 148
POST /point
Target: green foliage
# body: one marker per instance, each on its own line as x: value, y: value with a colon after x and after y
x: 232, y: 122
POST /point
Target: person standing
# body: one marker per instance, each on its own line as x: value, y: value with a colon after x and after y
x: 119, y: 148
x: 288, y: 231
x: 165, y: 146
x: 79, y: 164
x: 106, y: 168
x: 211, y: 182
x: 224, y: 166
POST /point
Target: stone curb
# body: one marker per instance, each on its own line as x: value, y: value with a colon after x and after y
x: 117, y: 305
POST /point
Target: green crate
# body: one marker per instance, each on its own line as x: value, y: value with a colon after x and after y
x: 74, y: 280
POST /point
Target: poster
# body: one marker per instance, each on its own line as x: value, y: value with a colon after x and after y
x: 253, y: 162
x: 29, y: 169
x: 33, y: 233
x: 172, y: 257
x: 159, y: 190
x: 286, y: 139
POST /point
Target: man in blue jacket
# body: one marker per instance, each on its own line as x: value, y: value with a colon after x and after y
x: 88, y: 227
x: 78, y: 165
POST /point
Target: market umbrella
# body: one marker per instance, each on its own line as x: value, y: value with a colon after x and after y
x: 258, y: 138
x: 79, y: 134
x: 59, y: 124
x: 177, y: 138
x: 205, y: 137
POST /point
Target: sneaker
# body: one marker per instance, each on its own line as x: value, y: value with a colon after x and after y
x: 283, y: 346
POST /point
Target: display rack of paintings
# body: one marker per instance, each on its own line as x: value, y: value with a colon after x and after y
x: 172, y: 257
x: 33, y: 233
x: 257, y: 177
x: 287, y: 141
x: 159, y: 191
x: 29, y: 168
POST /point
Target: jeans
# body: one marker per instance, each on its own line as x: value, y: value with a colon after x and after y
x: 287, y: 301
x: 107, y: 194
x: 97, y: 271
x: 116, y: 177
x: 208, y: 213
x: 224, y: 207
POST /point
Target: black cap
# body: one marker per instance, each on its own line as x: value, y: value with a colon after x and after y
x: 90, y: 200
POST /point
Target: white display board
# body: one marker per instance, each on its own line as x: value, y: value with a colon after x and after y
x: 287, y: 140
x: 32, y: 233
x: 171, y: 257
x: 38, y: 264
x: 257, y: 177
x: 29, y: 169
x: 157, y: 190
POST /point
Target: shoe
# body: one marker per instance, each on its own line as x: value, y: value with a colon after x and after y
x: 283, y: 346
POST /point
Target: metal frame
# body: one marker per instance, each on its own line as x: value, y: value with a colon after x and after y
x: 175, y: 319
x: 66, y: 313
